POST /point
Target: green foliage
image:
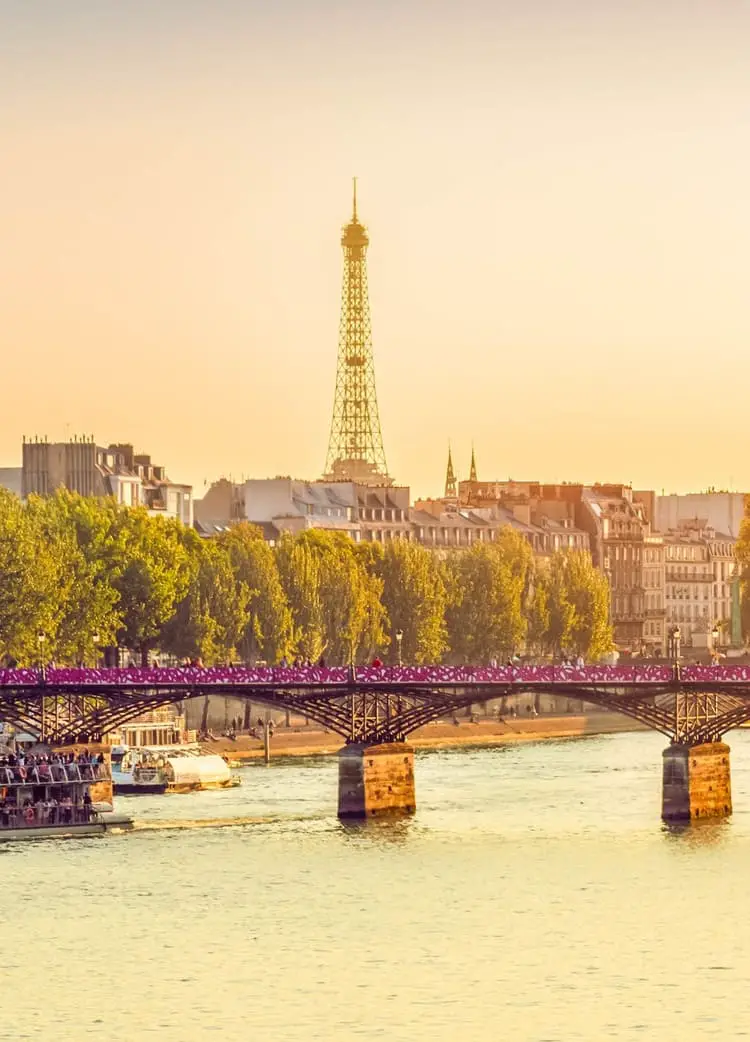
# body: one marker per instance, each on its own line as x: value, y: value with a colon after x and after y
x: 578, y: 599
x: 152, y: 576
x: 81, y: 615
x: 742, y: 553
x: 28, y: 581
x: 539, y: 616
x: 268, y: 634
x: 486, y: 613
x: 333, y: 596
x: 561, y: 611
x: 88, y: 573
x: 299, y: 569
x: 415, y: 598
x: 211, y: 619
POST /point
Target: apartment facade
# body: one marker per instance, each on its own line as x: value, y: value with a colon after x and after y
x: 92, y: 470
x: 654, y: 592
x: 700, y: 570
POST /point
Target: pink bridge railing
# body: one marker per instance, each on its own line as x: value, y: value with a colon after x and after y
x: 442, y: 676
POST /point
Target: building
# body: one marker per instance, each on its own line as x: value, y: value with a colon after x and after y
x: 83, y: 466
x: 609, y: 521
x: 11, y: 478
x: 554, y: 517
x: 621, y: 528
x: 722, y: 511
x: 159, y: 495
x: 700, y: 571
x: 655, y: 611
x: 384, y: 513
x: 364, y: 512
x: 443, y: 526
x: 367, y: 513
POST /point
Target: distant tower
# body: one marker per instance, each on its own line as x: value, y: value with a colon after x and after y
x: 473, y: 469
x: 451, y: 489
x: 355, y: 447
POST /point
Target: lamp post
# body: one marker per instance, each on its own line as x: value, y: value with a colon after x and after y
x: 95, y: 638
x: 715, y: 642
x: 674, y: 648
x: 41, y: 637
x: 399, y: 638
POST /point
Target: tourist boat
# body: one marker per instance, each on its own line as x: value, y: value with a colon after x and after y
x: 43, y: 797
x: 174, y: 768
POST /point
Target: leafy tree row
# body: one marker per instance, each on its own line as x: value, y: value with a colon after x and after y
x: 78, y: 575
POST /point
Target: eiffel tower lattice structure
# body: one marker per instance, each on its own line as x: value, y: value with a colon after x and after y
x: 355, y: 446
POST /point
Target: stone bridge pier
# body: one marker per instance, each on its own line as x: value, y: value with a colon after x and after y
x: 376, y: 780
x: 696, y: 781
x: 696, y: 777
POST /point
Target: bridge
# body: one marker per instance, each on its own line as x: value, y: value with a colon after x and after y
x: 376, y: 708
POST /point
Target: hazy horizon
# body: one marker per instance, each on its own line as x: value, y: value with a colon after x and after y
x: 555, y: 193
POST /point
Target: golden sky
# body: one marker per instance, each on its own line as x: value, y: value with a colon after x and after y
x: 556, y: 193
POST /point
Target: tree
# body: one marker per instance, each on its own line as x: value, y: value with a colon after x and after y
x: 353, y: 614
x: 334, y: 599
x: 211, y: 619
x: 588, y: 592
x: 579, y: 605
x: 538, y: 615
x: 485, y: 612
x: 742, y: 553
x: 268, y: 634
x: 299, y: 570
x: 414, y: 596
x: 561, y: 611
x: 28, y: 583
x: 152, y: 578
x: 82, y: 616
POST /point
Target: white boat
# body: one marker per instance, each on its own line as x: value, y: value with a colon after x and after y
x: 173, y: 768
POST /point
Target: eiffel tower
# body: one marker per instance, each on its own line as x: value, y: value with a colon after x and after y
x: 355, y: 446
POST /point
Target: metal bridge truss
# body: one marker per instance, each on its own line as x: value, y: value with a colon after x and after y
x: 370, y: 714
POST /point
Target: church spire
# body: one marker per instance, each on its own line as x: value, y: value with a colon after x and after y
x: 451, y: 491
x: 473, y: 469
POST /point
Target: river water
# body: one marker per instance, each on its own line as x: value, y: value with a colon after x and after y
x: 534, y: 896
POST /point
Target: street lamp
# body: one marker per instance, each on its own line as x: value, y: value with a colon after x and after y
x: 95, y: 639
x: 41, y: 637
x: 715, y: 641
x: 399, y: 638
x: 674, y: 638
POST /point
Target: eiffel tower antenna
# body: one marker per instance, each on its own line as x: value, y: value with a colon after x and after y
x: 355, y: 446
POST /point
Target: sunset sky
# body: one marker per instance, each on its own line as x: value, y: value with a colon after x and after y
x: 557, y: 194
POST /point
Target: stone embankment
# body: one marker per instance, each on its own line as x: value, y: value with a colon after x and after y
x: 310, y: 741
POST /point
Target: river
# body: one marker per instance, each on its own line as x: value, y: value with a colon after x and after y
x: 534, y: 896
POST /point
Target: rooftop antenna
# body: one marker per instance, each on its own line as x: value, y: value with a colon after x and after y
x: 354, y: 207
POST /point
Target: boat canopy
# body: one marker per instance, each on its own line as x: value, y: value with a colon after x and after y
x: 193, y: 770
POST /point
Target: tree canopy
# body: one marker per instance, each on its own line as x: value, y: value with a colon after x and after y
x: 80, y: 575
